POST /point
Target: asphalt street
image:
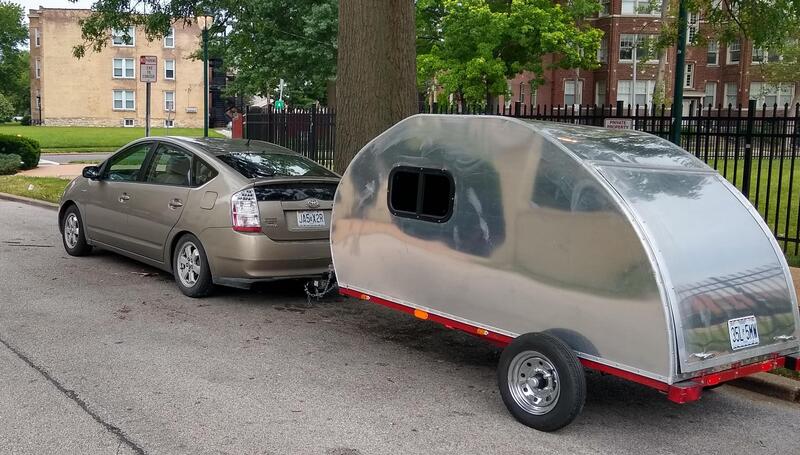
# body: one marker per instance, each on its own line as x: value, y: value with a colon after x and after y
x: 104, y: 355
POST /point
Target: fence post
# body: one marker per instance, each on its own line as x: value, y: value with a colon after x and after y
x: 244, y: 122
x: 312, y: 135
x: 748, y: 148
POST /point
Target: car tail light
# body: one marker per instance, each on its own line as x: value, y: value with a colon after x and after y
x: 244, y: 211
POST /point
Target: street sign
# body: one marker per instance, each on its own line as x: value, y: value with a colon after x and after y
x: 279, y: 104
x: 148, y: 68
x: 619, y: 123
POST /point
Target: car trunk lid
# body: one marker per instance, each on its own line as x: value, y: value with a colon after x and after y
x: 296, y: 209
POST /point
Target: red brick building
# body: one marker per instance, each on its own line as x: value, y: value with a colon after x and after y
x: 715, y: 73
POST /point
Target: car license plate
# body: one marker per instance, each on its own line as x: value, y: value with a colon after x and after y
x: 743, y: 332
x: 315, y: 218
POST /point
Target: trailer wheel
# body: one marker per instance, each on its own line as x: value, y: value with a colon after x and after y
x: 541, y: 381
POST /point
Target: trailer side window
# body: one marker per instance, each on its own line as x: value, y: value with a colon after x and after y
x: 420, y: 193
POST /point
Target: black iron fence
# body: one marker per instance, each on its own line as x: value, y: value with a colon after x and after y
x: 755, y: 148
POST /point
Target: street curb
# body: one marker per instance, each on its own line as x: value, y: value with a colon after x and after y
x: 770, y: 384
x: 29, y: 201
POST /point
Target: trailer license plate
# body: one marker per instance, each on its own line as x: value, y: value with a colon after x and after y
x: 743, y: 332
x: 311, y: 219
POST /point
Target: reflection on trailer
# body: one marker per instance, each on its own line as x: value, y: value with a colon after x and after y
x: 571, y: 246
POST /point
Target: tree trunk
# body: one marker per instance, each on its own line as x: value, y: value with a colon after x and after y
x: 660, y: 88
x: 376, y: 72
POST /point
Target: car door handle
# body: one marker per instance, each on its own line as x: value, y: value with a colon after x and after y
x: 175, y: 203
x: 124, y: 198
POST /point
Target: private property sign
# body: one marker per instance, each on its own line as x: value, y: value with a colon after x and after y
x: 619, y: 123
x: 148, y: 68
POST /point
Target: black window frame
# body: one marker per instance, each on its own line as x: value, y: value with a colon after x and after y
x: 421, y: 173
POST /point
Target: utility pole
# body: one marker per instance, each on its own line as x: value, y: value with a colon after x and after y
x: 680, y: 67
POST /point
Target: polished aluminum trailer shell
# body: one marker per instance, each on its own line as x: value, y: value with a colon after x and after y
x: 621, y: 244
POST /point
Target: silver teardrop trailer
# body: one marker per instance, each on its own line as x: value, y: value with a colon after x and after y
x: 572, y: 247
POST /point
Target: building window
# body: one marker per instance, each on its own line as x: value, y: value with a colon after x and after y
x: 642, y: 44
x: 123, y: 68
x: 522, y: 92
x: 169, y: 69
x: 730, y: 94
x: 129, y: 123
x: 169, y: 101
x: 734, y: 53
x: 570, y: 97
x: 423, y: 194
x: 600, y: 93
x: 771, y: 94
x: 169, y: 38
x: 689, y: 76
x: 125, y: 38
x: 712, y: 54
x: 711, y: 94
x: 169, y: 123
x: 602, y: 51
x: 37, y: 37
x: 534, y: 91
x: 606, y: 8
x: 692, y: 27
x: 642, y: 7
x: 124, y: 100
x: 761, y: 55
x: 37, y: 68
x: 642, y: 96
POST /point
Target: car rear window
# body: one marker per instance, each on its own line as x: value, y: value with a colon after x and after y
x: 296, y: 191
x: 255, y: 165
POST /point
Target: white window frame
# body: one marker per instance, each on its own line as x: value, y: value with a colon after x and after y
x: 637, y: 7
x: 37, y: 68
x: 712, y: 95
x: 727, y: 94
x: 764, y: 90
x: 120, y: 35
x: 173, y: 69
x: 728, y: 48
x: 766, y: 55
x: 688, y: 80
x: 575, y: 96
x: 716, y: 53
x: 131, y: 120
x: 644, y: 87
x: 600, y: 87
x: 171, y: 36
x: 123, y: 68
x: 166, y: 105
x: 692, y: 27
x: 605, y: 8
x: 37, y: 37
x: 169, y: 123
x: 124, y: 99
x: 602, y: 51
x: 638, y: 39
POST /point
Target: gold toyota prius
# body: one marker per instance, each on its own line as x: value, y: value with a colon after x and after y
x: 211, y: 211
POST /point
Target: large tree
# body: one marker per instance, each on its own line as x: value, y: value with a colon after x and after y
x: 472, y: 47
x: 14, y: 70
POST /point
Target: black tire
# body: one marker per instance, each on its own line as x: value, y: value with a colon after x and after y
x: 73, y: 235
x: 196, y: 282
x: 534, y: 356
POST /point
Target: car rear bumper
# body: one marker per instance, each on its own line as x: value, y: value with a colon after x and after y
x: 239, y: 259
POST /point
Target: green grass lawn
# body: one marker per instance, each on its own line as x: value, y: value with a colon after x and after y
x: 42, y: 188
x: 67, y: 139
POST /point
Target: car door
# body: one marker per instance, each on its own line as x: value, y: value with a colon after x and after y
x: 108, y: 198
x: 159, y: 200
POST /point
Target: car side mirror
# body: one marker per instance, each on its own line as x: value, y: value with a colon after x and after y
x: 91, y: 172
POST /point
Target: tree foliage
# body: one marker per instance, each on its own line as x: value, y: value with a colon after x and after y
x: 14, y: 70
x: 472, y: 47
x: 260, y: 41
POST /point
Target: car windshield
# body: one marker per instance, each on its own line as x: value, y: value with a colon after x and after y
x: 259, y: 164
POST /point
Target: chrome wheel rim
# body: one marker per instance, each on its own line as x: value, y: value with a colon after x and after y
x: 189, y: 264
x: 533, y: 382
x: 72, y: 230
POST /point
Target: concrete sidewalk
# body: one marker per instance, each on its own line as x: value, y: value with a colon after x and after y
x: 64, y: 171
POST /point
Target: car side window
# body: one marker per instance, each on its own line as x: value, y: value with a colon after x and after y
x: 170, y: 166
x: 127, y: 166
x: 203, y: 172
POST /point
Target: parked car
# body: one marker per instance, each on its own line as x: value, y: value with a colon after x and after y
x: 210, y: 211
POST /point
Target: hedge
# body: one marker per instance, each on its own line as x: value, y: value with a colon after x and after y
x: 28, y: 149
x: 9, y: 164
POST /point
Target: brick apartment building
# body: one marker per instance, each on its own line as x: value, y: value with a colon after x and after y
x: 103, y: 88
x: 715, y: 73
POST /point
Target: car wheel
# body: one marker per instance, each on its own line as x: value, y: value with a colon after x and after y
x: 541, y: 381
x: 190, y: 267
x: 72, y: 233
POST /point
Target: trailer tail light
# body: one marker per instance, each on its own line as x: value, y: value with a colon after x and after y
x: 244, y: 211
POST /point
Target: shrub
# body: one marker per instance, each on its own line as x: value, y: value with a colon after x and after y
x: 26, y: 120
x: 9, y: 164
x: 28, y: 149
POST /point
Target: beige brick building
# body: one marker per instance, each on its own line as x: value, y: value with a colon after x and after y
x: 103, y: 88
